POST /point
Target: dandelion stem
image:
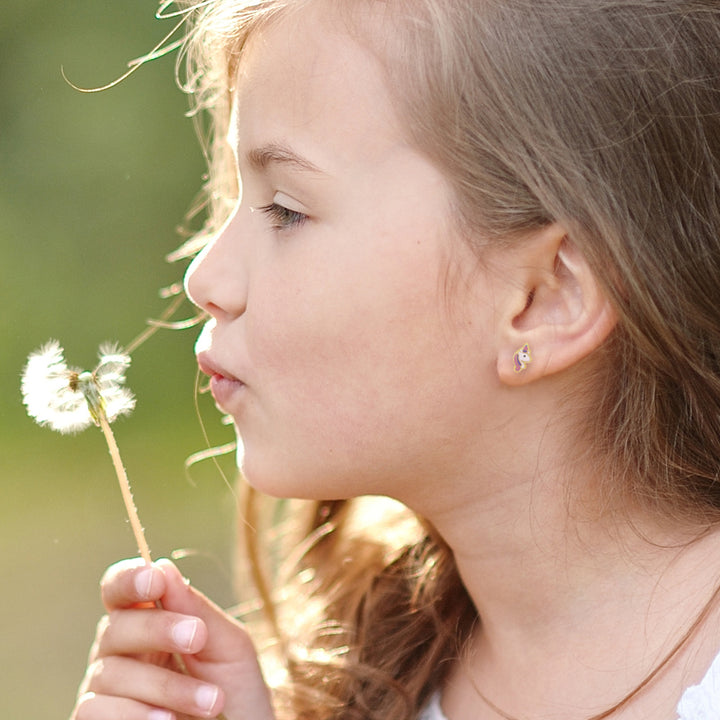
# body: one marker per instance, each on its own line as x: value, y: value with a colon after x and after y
x: 132, y: 512
x: 124, y: 486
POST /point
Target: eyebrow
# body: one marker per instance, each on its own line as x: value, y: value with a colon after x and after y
x: 275, y: 153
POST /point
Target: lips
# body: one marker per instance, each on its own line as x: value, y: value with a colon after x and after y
x: 224, y: 386
x: 211, y: 367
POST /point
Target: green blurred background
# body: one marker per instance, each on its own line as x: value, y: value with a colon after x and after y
x: 92, y: 189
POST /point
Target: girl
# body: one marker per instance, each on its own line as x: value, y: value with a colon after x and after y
x: 464, y: 255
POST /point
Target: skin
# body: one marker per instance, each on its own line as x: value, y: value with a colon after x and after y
x: 362, y: 348
x: 352, y: 293
x: 130, y: 673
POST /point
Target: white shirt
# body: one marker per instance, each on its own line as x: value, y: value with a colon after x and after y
x: 699, y: 702
x: 702, y: 702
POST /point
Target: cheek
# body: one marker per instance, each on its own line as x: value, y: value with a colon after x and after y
x: 360, y: 366
x: 365, y: 322
x: 348, y: 370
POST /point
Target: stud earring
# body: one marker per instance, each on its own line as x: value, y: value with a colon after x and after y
x: 522, y: 358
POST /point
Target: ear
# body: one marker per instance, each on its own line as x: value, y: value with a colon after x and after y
x: 554, y: 314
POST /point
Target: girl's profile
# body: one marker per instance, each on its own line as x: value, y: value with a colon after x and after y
x: 460, y: 271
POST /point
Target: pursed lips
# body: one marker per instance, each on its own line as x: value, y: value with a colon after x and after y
x: 224, y: 386
x: 206, y: 360
x: 210, y: 367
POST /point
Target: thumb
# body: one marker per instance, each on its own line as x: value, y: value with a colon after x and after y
x: 224, y: 632
x: 228, y: 658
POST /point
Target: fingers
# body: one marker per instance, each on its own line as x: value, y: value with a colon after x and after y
x: 130, y: 583
x: 131, y: 674
x: 100, y: 707
x: 123, y: 687
x: 227, y: 638
x: 228, y: 657
x: 138, y: 631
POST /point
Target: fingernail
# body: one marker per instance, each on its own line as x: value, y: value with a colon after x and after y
x: 144, y: 581
x: 206, y: 697
x: 183, y: 633
x: 160, y: 715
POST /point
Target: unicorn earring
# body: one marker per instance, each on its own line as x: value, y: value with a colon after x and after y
x: 522, y: 358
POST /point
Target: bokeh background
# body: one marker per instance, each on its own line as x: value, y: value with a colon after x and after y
x: 92, y: 190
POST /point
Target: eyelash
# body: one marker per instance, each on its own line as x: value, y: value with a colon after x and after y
x: 283, y: 218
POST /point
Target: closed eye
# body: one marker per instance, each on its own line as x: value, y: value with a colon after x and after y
x: 283, y: 218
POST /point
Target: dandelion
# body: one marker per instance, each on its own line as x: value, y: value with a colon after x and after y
x: 69, y: 400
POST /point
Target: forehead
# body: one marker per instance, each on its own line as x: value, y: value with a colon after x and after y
x: 308, y: 76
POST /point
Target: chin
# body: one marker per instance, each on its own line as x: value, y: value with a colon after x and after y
x: 268, y: 479
x: 283, y: 483
x: 272, y: 471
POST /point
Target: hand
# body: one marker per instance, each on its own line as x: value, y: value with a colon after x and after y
x: 131, y: 674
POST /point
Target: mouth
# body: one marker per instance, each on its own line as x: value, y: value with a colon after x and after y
x: 224, y: 386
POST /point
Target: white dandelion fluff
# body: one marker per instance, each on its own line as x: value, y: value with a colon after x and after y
x: 69, y: 400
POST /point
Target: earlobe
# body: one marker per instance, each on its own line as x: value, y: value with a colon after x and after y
x: 561, y: 312
x: 522, y: 358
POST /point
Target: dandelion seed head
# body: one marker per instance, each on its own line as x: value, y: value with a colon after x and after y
x: 113, y: 361
x: 110, y: 380
x: 67, y: 399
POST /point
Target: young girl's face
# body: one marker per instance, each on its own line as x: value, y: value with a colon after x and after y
x: 349, y: 319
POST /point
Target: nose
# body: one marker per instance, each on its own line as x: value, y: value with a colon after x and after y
x: 216, y: 280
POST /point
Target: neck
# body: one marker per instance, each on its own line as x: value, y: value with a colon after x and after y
x: 571, y: 595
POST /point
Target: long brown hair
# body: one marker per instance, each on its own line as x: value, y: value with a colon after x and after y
x: 603, y: 115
